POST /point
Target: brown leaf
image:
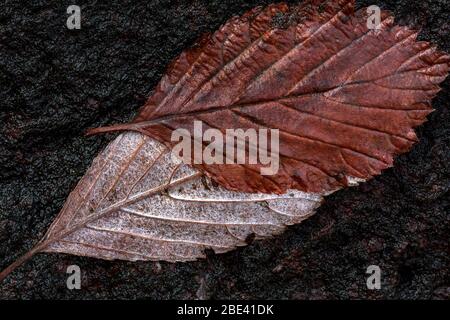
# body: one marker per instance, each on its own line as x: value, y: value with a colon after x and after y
x: 345, y: 98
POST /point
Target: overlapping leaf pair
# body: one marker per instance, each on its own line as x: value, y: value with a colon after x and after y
x: 345, y: 99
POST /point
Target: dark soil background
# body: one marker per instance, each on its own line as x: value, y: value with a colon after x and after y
x: 55, y: 83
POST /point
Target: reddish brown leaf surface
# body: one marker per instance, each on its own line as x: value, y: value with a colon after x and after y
x: 345, y: 98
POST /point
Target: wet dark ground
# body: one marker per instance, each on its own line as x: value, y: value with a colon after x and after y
x: 56, y: 83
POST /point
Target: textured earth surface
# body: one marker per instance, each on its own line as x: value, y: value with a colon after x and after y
x: 55, y: 83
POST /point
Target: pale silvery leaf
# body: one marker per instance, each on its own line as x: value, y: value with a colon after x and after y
x: 138, y: 202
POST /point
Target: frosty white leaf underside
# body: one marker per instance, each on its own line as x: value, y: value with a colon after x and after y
x: 138, y: 202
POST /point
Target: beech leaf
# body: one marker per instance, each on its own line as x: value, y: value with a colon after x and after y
x: 138, y: 202
x: 344, y: 97
x: 345, y: 100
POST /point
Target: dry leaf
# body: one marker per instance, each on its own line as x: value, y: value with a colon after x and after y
x: 345, y: 98
x: 137, y: 202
